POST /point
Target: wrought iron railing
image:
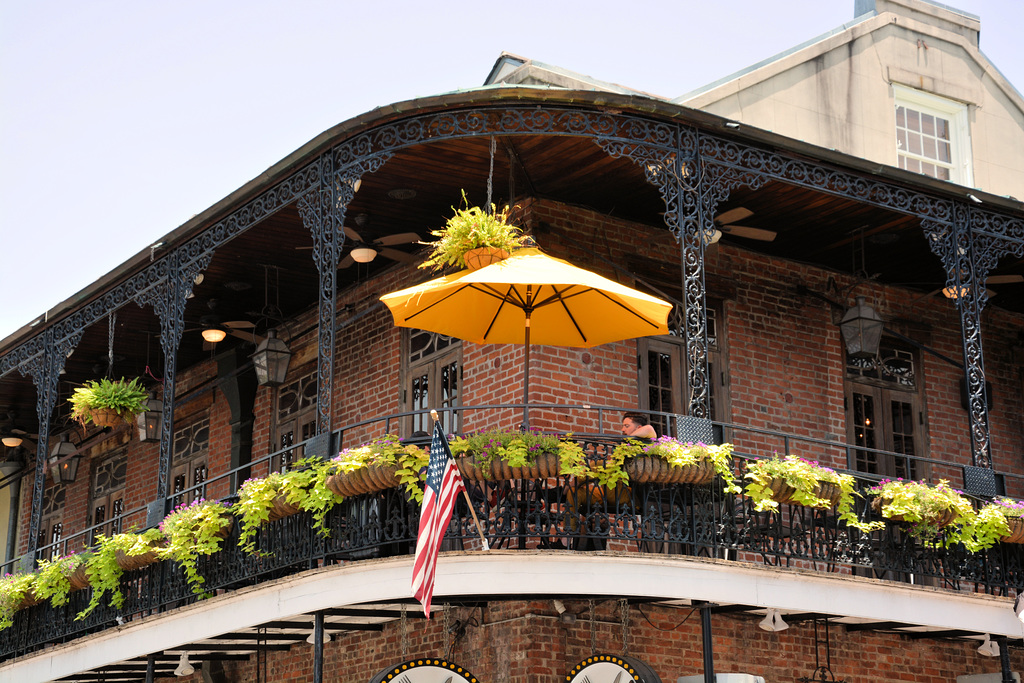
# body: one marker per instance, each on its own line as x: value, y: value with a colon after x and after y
x: 545, y: 513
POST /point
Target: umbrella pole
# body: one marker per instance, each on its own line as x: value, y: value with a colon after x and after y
x: 526, y: 377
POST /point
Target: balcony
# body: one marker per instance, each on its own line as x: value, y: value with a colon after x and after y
x: 533, y: 524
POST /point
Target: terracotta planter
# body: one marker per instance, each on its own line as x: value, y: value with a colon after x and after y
x: 647, y: 469
x: 281, y: 508
x: 78, y: 578
x: 545, y: 466
x: 226, y: 529
x: 105, y: 417
x: 484, y: 256
x: 364, y: 480
x: 783, y: 492
x: 1016, y: 530
x: 130, y: 563
x: 944, y: 519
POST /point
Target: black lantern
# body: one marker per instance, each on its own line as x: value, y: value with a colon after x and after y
x: 64, y: 461
x: 150, y: 419
x: 271, y: 360
x: 862, y: 330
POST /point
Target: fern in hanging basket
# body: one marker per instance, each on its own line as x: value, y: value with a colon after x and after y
x: 125, y: 398
x: 472, y: 228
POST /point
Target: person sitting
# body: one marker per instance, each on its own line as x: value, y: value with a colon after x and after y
x: 635, y: 425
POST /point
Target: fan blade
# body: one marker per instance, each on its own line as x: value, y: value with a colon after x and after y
x: 749, y: 233
x: 247, y: 336
x: 240, y: 324
x: 400, y: 256
x: 403, y: 238
x: 352, y: 234
x: 733, y: 215
x: 1004, y: 279
x: 346, y: 262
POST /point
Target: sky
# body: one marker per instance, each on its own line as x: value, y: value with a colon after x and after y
x: 121, y: 119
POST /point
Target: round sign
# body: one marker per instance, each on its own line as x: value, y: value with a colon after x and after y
x: 425, y: 670
x: 611, y: 669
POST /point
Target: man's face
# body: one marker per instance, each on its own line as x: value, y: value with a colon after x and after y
x: 628, y: 426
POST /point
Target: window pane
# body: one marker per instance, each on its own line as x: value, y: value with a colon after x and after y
x: 928, y: 148
x: 914, y: 143
x: 928, y: 124
x: 901, y: 117
x: 913, y: 120
x: 943, y: 153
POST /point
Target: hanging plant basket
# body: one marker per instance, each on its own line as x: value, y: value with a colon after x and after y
x: 1016, y: 530
x: 646, y: 469
x: 368, y: 479
x: 105, y: 417
x: 484, y: 256
x: 783, y: 492
x: 131, y: 563
x: 545, y: 466
x: 281, y: 508
x: 940, y: 520
x: 78, y: 578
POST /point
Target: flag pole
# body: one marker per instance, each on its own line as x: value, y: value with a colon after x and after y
x: 469, y: 503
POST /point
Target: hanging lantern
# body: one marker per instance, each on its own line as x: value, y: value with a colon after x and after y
x: 271, y: 360
x: 150, y: 420
x: 63, y: 468
x: 862, y: 330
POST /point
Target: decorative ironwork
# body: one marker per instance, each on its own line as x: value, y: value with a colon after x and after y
x: 678, y: 520
x: 44, y: 367
x: 954, y: 245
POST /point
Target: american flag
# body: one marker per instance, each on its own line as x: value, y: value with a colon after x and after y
x: 443, y: 486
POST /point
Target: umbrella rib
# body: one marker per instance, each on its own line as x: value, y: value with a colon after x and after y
x: 561, y: 300
x: 626, y: 308
x: 439, y: 301
x: 504, y: 299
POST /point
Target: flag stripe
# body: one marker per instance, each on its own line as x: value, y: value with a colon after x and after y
x: 443, y: 485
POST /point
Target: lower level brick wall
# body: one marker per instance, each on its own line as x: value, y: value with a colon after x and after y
x: 523, y: 642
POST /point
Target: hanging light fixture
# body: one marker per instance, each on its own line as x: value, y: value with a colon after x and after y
x: 149, y: 420
x: 63, y: 461
x: 271, y: 360
x: 184, y: 667
x: 363, y: 254
x: 11, y: 441
x: 862, y: 330
x: 989, y: 648
x: 773, y: 622
x: 311, y: 638
x: 214, y: 334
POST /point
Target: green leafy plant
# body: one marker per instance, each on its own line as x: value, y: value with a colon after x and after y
x: 674, y: 452
x: 303, y: 487
x: 472, y: 228
x: 929, y: 510
x: 127, y: 399
x: 53, y: 577
x: 805, y: 477
x: 520, y: 449
x: 387, y: 451
x: 15, y: 590
x: 992, y: 522
x: 104, y: 569
x: 194, y: 529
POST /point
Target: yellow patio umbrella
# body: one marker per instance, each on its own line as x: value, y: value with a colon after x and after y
x: 532, y: 298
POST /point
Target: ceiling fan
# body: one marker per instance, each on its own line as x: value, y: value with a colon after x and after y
x: 363, y: 251
x: 725, y: 222
x: 13, y: 436
x: 950, y: 292
x: 215, y: 329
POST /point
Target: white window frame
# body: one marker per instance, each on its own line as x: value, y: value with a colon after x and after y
x: 960, y: 167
